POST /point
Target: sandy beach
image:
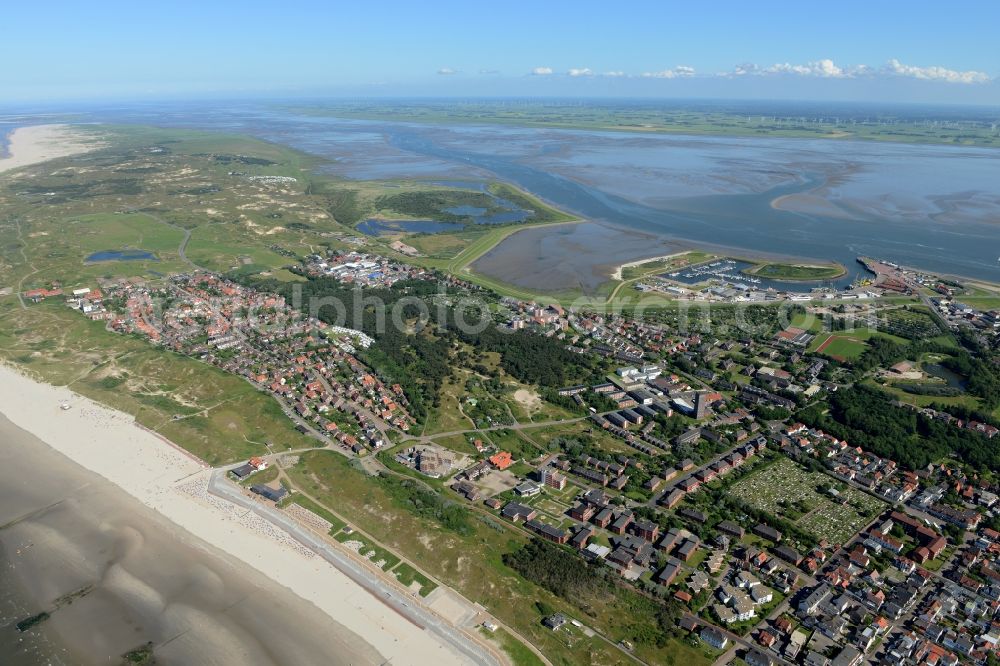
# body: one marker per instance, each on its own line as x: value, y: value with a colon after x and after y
x: 38, y: 143
x: 167, y: 481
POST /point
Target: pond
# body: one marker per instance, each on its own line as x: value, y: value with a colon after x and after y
x: 503, y: 218
x: 952, y: 379
x: 122, y: 255
x: 478, y: 215
x: 376, y: 227
x: 468, y: 211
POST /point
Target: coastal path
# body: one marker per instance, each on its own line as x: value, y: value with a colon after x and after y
x: 473, y: 652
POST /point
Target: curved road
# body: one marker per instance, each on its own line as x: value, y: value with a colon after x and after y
x: 181, y: 249
x: 460, y: 643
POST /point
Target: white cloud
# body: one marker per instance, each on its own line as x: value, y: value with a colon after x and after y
x: 743, y: 69
x: 489, y: 71
x: 822, y: 68
x: 541, y: 71
x: 827, y: 69
x: 615, y: 74
x: 681, y: 71
x: 447, y: 71
x: 583, y: 71
x: 935, y: 73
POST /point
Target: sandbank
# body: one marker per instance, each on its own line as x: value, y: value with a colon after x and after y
x: 38, y: 143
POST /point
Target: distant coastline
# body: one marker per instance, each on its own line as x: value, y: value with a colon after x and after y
x: 5, y: 143
x: 29, y: 145
x: 647, y: 117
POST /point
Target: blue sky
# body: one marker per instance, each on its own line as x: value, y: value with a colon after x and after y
x: 874, y: 50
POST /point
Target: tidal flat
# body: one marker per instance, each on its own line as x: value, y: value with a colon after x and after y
x: 934, y: 207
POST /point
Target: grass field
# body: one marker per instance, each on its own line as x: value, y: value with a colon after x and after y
x: 459, y: 443
x: 407, y: 575
x: 336, y: 524
x: 527, y: 406
x: 786, y: 490
x: 65, y: 243
x: 519, y: 654
x: 983, y: 302
x: 223, y: 248
x: 375, y: 554
x: 847, y: 345
x: 661, y: 265
x: 582, y: 430
x: 448, y: 416
x: 807, y: 321
x: 444, y: 246
x: 964, y: 400
x: 841, y: 347
x: 780, y: 271
x: 520, y: 446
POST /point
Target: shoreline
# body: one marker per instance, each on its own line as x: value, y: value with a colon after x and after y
x: 665, y: 130
x: 462, y: 265
x: 740, y: 254
x: 161, y: 477
x: 33, y: 144
x: 753, y: 270
x: 107, y: 575
x: 613, y: 278
x: 617, y: 274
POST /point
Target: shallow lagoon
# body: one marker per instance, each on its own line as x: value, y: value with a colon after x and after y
x: 377, y: 227
x: 568, y: 257
x: 935, y: 207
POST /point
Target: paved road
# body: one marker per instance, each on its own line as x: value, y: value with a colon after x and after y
x: 517, y: 426
x: 182, y: 247
x: 738, y: 642
x: 459, y: 642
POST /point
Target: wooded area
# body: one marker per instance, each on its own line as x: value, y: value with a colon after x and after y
x: 867, y: 417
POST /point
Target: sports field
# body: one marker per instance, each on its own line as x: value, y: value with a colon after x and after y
x: 841, y: 347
